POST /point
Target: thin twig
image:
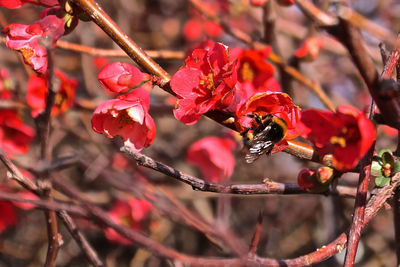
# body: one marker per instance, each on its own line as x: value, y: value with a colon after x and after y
x: 396, y: 222
x: 315, y: 14
x: 268, y: 187
x: 374, y: 205
x: 359, y: 208
x: 43, y: 122
x: 256, y: 236
x: 351, y: 38
x: 161, y: 54
x: 51, y: 206
x: 89, y: 252
x: 17, y: 175
x: 45, y: 204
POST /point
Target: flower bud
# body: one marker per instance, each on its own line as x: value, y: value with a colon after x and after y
x: 119, y: 77
x: 324, y: 174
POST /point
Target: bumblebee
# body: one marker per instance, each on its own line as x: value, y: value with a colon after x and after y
x: 261, y: 139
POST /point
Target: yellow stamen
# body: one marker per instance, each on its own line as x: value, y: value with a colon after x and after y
x: 338, y: 140
x: 247, y: 72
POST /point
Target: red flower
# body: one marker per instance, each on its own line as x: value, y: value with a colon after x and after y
x: 15, y: 136
x: 213, y: 156
x: 258, y: 2
x: 347, y: 134
x: 206, y: 82
x: 261, y: 104
x: 8, y: 216
x: 255, y: 74
x: 126, y: 116
x: 309, y: 49
x: 131, y: 213
x: 37, y: 91
x: 195, y: 29
x: 18, y: 3
x: 119, y: 77
x: 24, y: 39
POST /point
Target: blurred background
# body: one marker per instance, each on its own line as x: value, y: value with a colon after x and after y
x: 292, y: 225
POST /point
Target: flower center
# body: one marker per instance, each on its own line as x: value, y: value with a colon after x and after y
x: 246, y: 72
x: 208, y: 81
x: 124, y: 118
x: 348, y: 135
x: 58, y: 100
x: 126, y: 221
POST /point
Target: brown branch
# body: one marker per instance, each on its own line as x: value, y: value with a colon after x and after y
x: 158, y: 249
x: 50, y: 205
x: 89, y: 252
x: 45, y: 204
x: 359, y: 206
x: 396, y: 222
x: 315, y: 14
x: 357, y: 224
x: 374, y: 205
x: 44, y: 184
x: 16, y: 175
x: 392, y: 61
x: 9, y: 104
x: 304, y: 151
x: 351, y: 38
x: 268, y: 187
x: 168, y: 204
x: 269, y: 24
x: 358, y: 20
x: 161, y: 54
x: 256, y: 236
x: 56, y: 164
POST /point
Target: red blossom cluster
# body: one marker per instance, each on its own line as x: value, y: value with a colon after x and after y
x: 127, y: 115
x: 240, y: 81
x: 217, y: 78
x: 29, y: 40
x: 206, y: 82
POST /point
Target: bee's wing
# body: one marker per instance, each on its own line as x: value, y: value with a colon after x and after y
x: 250, y: 158
x: 258, y: 148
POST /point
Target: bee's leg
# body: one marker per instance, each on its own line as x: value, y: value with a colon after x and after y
x: 245, y: 132
x: 256, y: 117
